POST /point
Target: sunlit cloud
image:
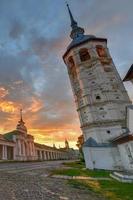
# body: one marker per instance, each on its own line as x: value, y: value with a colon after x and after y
x: 36, y: 105
x: 3, y: 92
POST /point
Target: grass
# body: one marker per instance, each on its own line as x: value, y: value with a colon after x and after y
x: 111, y: 190
x: 81, y: 172
x: 78, y: 169
x: 77, y: 164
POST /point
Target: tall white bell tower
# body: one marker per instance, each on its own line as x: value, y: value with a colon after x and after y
x: 98, y: 90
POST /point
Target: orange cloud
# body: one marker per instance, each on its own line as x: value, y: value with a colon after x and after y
x: 36, y: 105
x: 7, y: 107
x: 3, y: 92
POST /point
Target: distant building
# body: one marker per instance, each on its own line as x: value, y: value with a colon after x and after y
x: 19, y: 145
x: 102, y: 101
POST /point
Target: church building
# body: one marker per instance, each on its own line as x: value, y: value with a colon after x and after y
x: 103, y: 105
x: 19, y: 145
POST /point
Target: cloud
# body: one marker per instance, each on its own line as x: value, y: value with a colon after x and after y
x: 7, y: 106
x: 17, y: 30
x: 3, y: 92
x: 36, y: 105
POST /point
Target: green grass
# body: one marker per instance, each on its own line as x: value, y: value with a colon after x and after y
x: 111, y: 190
x: 123, y: 191
x: 81, y: 172
x: 78, y: 169
x: 77, y: 164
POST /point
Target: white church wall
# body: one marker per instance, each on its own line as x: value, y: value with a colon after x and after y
x: 130, y: 119
x: 126, y: 153
x: 102, y: 134
x: 99, y: 158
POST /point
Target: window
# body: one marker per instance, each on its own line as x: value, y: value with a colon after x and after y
x: 101, y: 108
x: 98, y: 97
x: 108, y: 131
x: 101, y: 51
x: 84, y: 55
x: 71, y: 61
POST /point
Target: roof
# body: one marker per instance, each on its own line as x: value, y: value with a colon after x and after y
x: 130, y: 106
x: 92, y: 143
x: 80, y: 40
x: 123, y: 138
x: 129, y: 74
x: 43, y: 146
x: 9, y: 136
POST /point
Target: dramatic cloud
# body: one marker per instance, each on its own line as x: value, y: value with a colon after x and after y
x: 34, y: 35
x: 16, y: 30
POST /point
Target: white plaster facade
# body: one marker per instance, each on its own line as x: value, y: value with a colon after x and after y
x: 19, y: 145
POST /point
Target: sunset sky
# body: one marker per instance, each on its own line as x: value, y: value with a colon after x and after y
x: 34, y: 35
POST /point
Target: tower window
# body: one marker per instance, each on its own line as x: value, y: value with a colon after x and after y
x: 84, y: 55
x: 101, y: 51
x: 108, y: 131
x: 101, y: 108
x: 98, y: 97
x: 71, y: 61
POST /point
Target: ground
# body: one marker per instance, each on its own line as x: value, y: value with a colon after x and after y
x: 31, y: 181
x: 99, y: 181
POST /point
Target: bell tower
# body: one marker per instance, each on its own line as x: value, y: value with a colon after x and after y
x: 99, y: 93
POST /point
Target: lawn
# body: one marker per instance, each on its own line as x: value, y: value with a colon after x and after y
x: 78, y: 169
x: 111, y: 190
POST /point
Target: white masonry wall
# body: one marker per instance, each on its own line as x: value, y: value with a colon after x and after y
x: 99, y: 158
x: 126, y: 152
x: 130, y: 119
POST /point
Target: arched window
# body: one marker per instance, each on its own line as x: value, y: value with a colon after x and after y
x: 98, y: 97
x: 84, y: 54
x: 101, y: 51
x: 71, y: 61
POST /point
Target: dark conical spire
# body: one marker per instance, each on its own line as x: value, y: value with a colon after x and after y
x: 76, y: 30
x: 73, y: 22
x: 21, y: 115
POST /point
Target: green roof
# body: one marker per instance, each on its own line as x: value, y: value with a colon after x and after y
x: 9, y: 136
